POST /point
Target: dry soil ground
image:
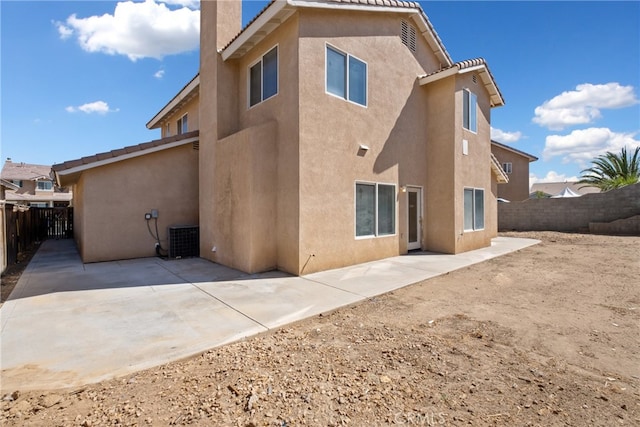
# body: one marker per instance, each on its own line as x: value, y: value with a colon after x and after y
x: 545, y: 336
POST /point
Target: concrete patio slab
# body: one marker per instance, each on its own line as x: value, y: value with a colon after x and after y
x: 68, y: 324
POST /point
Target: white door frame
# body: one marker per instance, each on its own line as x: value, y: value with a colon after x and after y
x: 418, y: 192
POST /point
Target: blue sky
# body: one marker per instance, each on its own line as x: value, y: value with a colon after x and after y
x: 82, y: 77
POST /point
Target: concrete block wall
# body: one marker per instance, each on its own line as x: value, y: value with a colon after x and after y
x: 570, y: 214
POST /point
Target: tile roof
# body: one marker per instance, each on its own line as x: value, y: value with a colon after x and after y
x: 114, y: 154
x: 377, y: 4
x: 24, y: 171
x: 531, y: 157
x: 555, y: 188
x: 489, y: 81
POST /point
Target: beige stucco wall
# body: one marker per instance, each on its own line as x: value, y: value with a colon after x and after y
x: 517, y: 188
x: 110, y: 224
x: 331, y: 130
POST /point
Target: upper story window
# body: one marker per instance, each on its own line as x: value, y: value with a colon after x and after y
x: 182, y: 125
x: 263, y: 78
x: 469, y: 111
x: 346, y: 76
x: 45, y: 185
x: 167, y: 130
x: 17, y: 182
x: 507, y: 167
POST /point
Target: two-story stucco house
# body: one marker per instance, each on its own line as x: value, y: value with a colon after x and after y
x: 323, y: 134
x: 30, y: 185
x: 515, y: 163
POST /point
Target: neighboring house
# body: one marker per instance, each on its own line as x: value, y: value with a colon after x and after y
x: 555, y: 189
x: 323, y: 134
x: 515, y: 163
x: 31, y: 185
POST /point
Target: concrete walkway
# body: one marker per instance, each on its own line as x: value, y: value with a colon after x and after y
x: 68, y: 323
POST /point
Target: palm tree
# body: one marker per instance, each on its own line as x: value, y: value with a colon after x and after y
x: 612, y: 170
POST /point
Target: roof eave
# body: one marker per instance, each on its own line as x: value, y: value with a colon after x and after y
x: 185, y: 94
x: 280, y: 10
x: 531, y: 157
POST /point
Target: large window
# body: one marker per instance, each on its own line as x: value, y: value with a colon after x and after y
x: 45, y: 185
x: 346, y: 76
x: 263, y: 78
x: 473, y: 209
x: 182, y: 125
x: 469, y: 111
x: 375, y: 209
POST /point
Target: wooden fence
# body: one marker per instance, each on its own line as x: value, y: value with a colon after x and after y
x: 27, y: 227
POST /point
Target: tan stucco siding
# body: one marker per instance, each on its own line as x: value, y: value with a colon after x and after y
x: 332, y: 129
x: 283, y: 109
x: 110, y: 223
x: 474, y: 169
x: 517, y: 189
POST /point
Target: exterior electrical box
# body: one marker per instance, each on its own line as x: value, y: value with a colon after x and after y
x: 184, y: 241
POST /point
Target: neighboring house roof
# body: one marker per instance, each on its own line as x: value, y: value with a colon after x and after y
x: 68, y: 171
x: 497, y: 170
x: 555, y: 188
x: 276, y: 12
x: 24, y: 171
x: 531, y: 157
x: 187, y: 93
x: 477, y: 64
x: 51, y: 196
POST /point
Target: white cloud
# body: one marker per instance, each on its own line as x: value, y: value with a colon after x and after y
x: 583, y: 105
x: 583, y: 145
x: 159, y: 74
x: 551, y: 176
x: 192, y: 4
x: 137, y: 30
x: 98, y: 107
x: 505, y: 137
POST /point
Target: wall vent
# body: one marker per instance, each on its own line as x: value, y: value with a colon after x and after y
x: 184, y: 241
x: 474, y: 78
x: 408, y: 36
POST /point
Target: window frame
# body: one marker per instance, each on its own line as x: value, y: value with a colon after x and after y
x: 376, y: 220
x: 167, y: 130
x: 346, y: 56
x: 180, y: 124
x: 507, y: 167
x: 44, y: 189
x: 260, y: 60
x: 467, y: 96
x: 474, y: 220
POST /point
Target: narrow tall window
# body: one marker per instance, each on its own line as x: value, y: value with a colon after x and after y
x: 346, y: 76
x: 263, y: 78
x: 182, y: 125
x: 375, y: 210
x: 473, y: 209
x: 469, y: 111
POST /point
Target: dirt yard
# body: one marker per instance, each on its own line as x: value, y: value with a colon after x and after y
x: 543, y: 337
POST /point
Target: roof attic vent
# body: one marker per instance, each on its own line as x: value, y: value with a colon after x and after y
x: 474, y: 78
x: 408, y: 36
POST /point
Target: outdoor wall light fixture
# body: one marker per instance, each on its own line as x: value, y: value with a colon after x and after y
x: 403, y: 188
x: 362, y: 150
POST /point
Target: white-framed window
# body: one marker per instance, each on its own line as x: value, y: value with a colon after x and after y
x: 39, y: 204
x: 469, y: 110
x: 182, y: 126
x: 473, y: 209
x: 17, y: 182
x: 263, y: 78
x: 346, y: 76
x: 375, y: 209
x: 45, y: 185
x: 507, y: 167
